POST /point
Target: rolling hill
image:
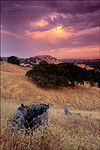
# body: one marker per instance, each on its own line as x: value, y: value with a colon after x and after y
x: 16, y: 87
x: 67, y: 132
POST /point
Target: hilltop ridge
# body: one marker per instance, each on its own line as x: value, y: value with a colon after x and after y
x: 30, y: 62
x: 89, y: 64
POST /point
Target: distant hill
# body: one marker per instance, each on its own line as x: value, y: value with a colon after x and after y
x: 85, y: 66
x: 89, y: 63
x: 30, y: 62
x: 4, y: 58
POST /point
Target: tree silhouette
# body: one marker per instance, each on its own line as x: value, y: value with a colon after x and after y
x: 1, y: 59
x: 13, y: 60
x: 52, y: 75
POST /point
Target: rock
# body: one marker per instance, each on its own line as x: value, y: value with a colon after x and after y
x: 30, y: 116
x: 79, y: 114
x: 69, y: 113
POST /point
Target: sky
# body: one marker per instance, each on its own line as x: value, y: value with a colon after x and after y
x: 62, y: 29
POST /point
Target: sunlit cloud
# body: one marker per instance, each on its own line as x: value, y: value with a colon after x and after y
x: 53, y: 17
x: 70, y: 29
x: 86, y: 52
x: 51, y: 35
x: 39, y: 23
x: 88, y: 31
x: 64, y: 16
x: 12, y: 34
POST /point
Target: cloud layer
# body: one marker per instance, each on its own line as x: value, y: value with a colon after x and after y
x: 61, y: 29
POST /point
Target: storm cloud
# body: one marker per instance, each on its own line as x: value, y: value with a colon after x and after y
x: 45, y: 25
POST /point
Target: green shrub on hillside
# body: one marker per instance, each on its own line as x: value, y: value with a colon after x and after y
x: 52, y: 75
x: 13, y: 60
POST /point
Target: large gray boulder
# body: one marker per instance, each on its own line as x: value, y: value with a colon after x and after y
x: 30, y: 116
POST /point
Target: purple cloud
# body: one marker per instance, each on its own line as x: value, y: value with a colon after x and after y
x: 74, y: 17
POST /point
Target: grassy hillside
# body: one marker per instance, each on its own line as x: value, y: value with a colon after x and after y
x: 65, y: 132
x: 14, y: 85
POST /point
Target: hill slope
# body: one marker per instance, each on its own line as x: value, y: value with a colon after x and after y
x: 64, y: 132
x: 16, y: 87
x: 36, y: 60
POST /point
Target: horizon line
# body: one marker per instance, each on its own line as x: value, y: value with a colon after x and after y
x: 51, y: 56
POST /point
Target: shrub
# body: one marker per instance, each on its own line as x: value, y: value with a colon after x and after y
x: 92, y: 83
x: 93, y: 76
x: 1, y: 59
x: 13, y: 60
x: 52, y: 75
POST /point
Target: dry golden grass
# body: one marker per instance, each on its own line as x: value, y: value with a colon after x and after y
x: 65, y: 132
x: 14, y: 85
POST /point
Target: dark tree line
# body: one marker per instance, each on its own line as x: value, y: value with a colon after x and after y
x: 64, y: 74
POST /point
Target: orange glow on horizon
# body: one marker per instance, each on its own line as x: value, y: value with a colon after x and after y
x: 84, y: 52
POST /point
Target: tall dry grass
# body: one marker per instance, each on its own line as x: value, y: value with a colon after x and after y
x: 64, y: 132
x: 77, y: 133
